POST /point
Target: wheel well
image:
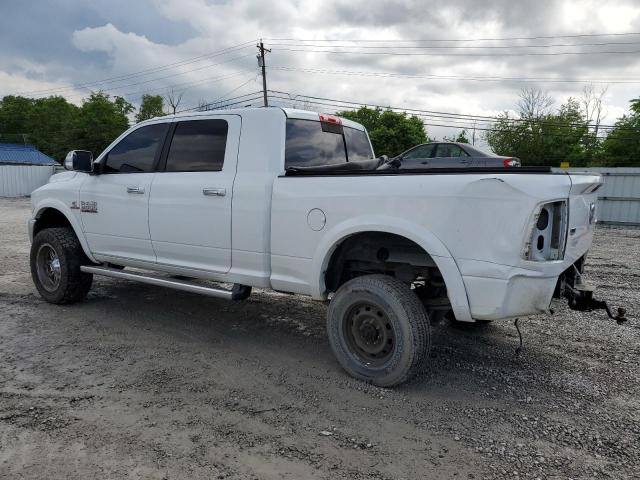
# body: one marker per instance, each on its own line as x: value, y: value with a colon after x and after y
x: 369, y: 253
x: 49, y: 218
x: 378, y: 252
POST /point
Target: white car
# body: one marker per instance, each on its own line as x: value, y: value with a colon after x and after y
x: 295, y: 201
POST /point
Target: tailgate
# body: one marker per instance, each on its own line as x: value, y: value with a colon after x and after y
x: 582, y: 212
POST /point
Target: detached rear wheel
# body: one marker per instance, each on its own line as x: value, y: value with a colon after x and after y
x: 378, y: 330
x: 56, y: 257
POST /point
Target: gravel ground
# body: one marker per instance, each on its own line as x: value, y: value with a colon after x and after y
x: 143, y: 382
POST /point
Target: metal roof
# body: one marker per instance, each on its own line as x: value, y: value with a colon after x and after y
x: 17, y: 153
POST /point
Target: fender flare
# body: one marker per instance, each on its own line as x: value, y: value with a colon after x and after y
x: 71, y: 218
x: 418, y: 234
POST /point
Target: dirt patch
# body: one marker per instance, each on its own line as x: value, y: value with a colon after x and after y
x: 143, y: 382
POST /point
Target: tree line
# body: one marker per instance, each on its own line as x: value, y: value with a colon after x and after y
x: 537, y: 135
x: 573, y: 132
x: 56, y: 126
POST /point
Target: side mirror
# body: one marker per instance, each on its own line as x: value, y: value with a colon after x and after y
x: 79, y: 161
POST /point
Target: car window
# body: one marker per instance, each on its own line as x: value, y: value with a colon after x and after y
x: 358, y: 146
x: 449, y: 150
x: 198, y: 146
x: 136, y: 152
x: 423, y: 151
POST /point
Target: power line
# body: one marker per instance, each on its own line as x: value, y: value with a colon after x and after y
x: 538, y: 37
x: 257, y: 96
x: 458, y: 126
x: 187, y: 85
x: 155, y: 79
x: 552, y: 45
x: 451, y: 77
x: 435, y: 112
x: 142, y: 72
x: 207, y: 105
x: 235, y: 89
x: 431, y: 54
x: 428, y: 113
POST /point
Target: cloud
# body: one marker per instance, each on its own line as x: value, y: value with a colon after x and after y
x: 74, y: 42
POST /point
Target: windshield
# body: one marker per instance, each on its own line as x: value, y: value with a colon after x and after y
x: 309, y: 144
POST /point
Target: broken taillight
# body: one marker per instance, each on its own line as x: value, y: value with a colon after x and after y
x: 547, y: 238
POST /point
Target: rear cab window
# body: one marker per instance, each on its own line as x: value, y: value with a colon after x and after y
x: 311, y: 143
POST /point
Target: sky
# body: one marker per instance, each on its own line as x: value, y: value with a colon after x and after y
x: 425, y: 55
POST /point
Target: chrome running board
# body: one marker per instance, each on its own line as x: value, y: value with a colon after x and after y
x: 165, y: 282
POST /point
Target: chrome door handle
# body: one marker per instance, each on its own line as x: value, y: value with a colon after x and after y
x: 214, y: 192
x: 135, y: 189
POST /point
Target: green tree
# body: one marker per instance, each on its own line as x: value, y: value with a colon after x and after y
x: 50, y: 126
x: 540, y: 137
x: 43, y: 122
x: 14, y: 114
x: 390, y: 132
x: 460, y: 138
x: 99, y: 121
x: 621, y: 148
x: 124, y: 107
x: 56, y: 126
x: 151, y: 106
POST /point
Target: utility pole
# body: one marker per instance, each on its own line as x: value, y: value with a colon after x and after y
x: 473, y: 138
x: 262, y: 65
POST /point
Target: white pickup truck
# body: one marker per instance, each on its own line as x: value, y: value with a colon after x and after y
x: 295, y: 201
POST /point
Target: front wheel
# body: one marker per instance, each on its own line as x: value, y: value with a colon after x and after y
x: 56, y: 257
x: 379, y: 330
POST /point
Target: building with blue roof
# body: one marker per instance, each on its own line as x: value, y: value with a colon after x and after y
x: 23, y: 168
x: 17, y: 153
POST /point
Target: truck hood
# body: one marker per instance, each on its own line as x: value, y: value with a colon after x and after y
x: 63, y: 177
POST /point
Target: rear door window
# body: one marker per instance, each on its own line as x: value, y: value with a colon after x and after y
x: 198, y: 146
x: 309, y: 145
x: 449, y: 150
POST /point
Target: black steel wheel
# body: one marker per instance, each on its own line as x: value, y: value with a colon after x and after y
x: 378, y: 330
x: 369, y: 333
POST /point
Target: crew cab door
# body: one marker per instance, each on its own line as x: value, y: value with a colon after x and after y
x: 190, y: 201
x: 114, y: 204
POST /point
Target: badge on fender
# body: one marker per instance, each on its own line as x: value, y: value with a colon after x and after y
x: 89, y: 206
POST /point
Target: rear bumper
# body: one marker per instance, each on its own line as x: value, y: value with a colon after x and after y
x: 494, y: 298
x: 497, y: 291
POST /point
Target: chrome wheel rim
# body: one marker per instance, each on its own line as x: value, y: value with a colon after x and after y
x: 48, y: 267
x: 369, y: 334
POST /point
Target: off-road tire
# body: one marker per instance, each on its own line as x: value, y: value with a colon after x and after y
x: 73, y: 285
x: 401, y: 310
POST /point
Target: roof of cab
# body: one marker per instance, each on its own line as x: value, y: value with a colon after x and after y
x: 289, y: 113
